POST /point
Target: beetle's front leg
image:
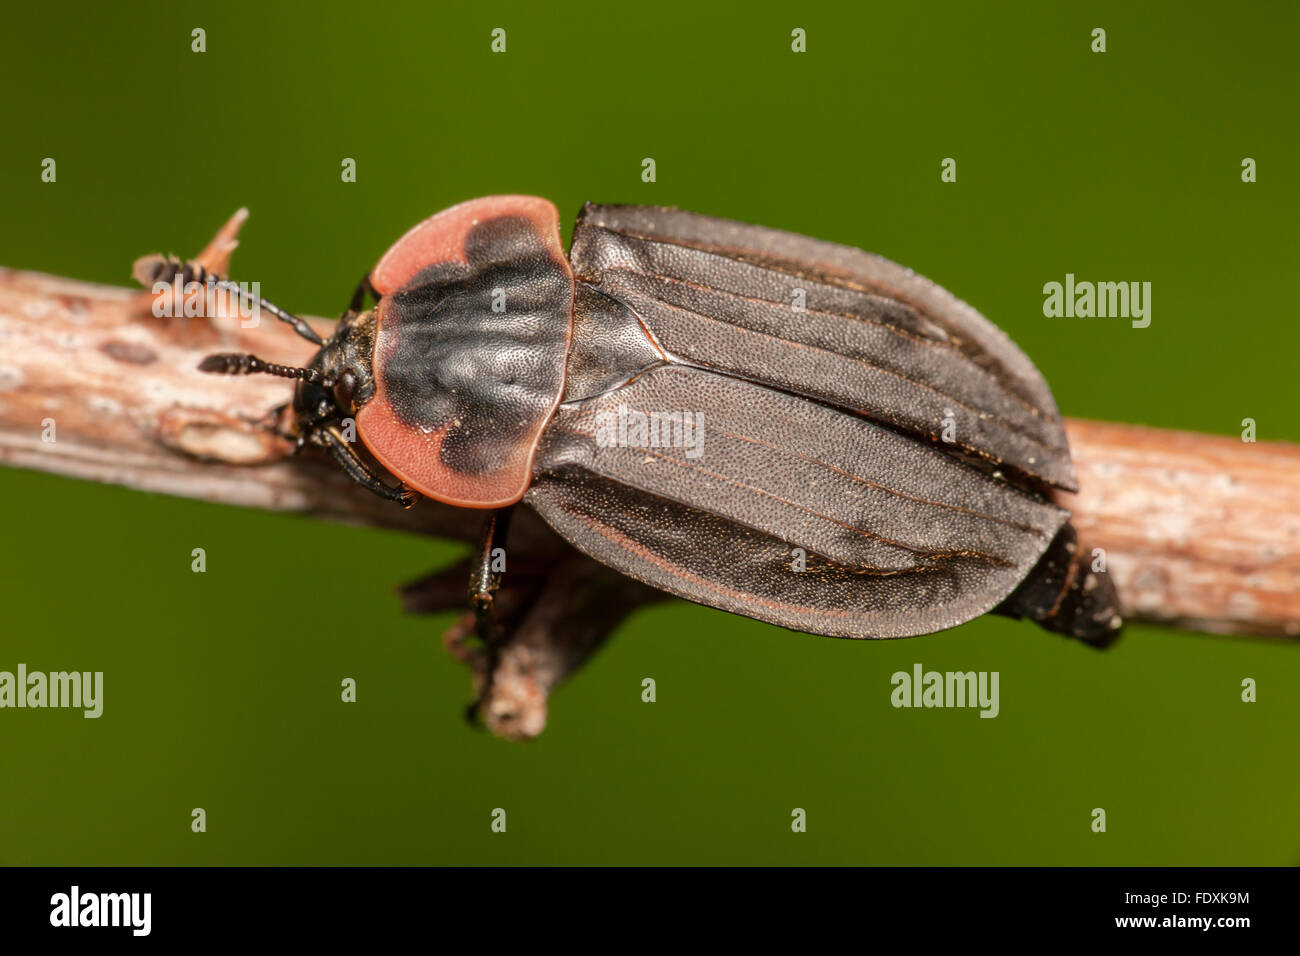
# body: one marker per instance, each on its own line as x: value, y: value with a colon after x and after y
x: 334, y: 443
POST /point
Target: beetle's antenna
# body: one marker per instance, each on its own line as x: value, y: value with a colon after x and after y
x: 235, y: 363
x: 149, y: 270
x: 299, y: 326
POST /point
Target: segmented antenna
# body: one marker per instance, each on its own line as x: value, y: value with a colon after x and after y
x: 158, y: 268
x: 235, y: 363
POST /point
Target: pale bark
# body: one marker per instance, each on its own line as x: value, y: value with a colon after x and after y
x: 1200, y: 531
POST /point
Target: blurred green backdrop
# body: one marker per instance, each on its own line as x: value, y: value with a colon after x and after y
x: 222, y: 690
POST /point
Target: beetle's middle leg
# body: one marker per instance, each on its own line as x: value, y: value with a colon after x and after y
x: 486, y: 570
x: 485, y: 574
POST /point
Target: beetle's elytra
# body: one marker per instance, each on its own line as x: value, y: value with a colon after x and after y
x: 877, y: 458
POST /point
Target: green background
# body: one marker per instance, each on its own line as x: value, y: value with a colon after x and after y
x: 222, y: 689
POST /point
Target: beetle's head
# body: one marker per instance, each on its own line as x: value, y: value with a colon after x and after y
x: 343, y: 379
x: 331, y: 387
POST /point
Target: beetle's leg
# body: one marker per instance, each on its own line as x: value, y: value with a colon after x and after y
x: 485, y: 578
x: 359, y: 296
x: 486, y: 570
x: 328, y: 438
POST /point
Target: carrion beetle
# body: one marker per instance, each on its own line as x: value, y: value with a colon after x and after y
x: 880, y: 458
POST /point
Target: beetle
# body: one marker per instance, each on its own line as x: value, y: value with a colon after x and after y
x: 878, y: 459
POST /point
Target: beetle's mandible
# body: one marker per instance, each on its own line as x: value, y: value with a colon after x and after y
x: 789, y: 429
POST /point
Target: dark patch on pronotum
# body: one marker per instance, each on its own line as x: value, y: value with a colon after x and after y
x: 490, y: 375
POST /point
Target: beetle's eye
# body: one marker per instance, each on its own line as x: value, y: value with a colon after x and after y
x: 343, y: 390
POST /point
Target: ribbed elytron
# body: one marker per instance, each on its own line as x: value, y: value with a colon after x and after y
x: 878, y: 457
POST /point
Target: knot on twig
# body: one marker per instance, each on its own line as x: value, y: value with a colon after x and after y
x: 217, y: 437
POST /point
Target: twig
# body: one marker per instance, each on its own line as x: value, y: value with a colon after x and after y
x: 1200, y: 532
